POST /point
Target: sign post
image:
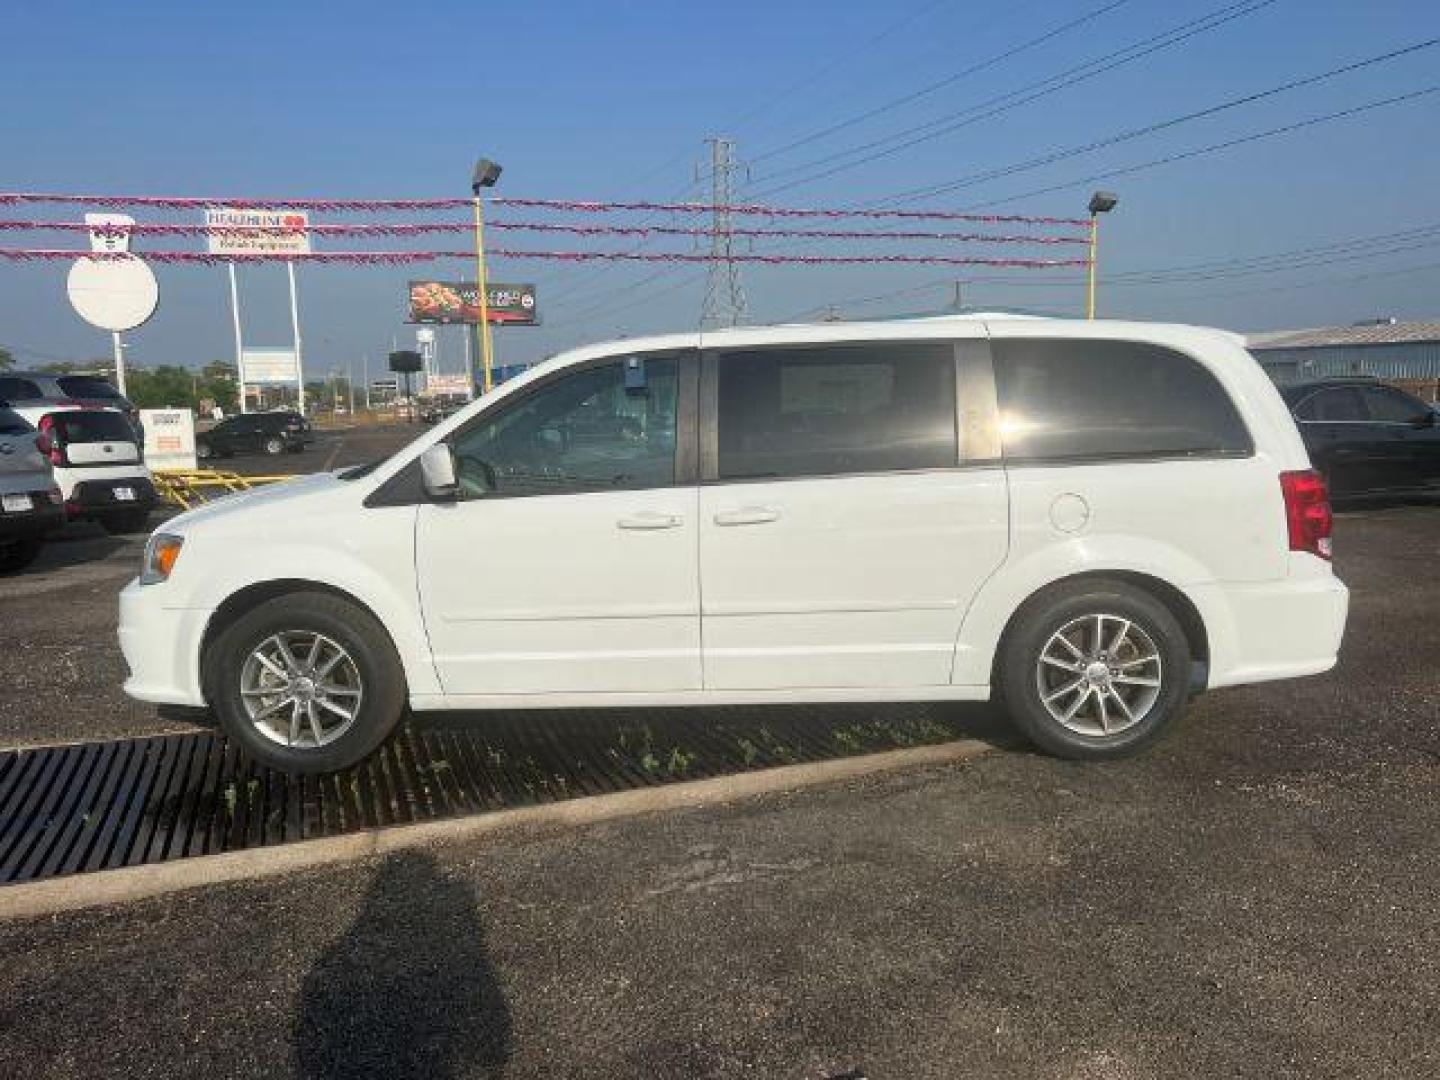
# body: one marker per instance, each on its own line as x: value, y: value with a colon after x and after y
x: 406, y: 362
x: 295, y: 331
x: 237, y: 231
x: 239, y: 341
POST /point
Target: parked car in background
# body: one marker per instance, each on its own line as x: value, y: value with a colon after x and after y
x: 32, y: 390
x: 1086, y: 520
x: 30, y: 502
x: 1366, y: 437
x: 255, y: 433
x: 99, y: 465
x: 437, y: 411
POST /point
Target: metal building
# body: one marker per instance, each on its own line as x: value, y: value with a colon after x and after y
x: 1404, y: 353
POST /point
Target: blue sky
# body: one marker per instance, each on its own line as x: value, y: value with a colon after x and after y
x: 607, y: 100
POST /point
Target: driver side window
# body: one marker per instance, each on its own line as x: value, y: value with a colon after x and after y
x: 586, y: 431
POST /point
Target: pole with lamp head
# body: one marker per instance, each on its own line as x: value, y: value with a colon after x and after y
x: 1102, y: 202
x: 485, y: 174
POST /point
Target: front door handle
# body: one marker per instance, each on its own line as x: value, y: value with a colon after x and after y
x: 649, y: 519
x: 748, y: 515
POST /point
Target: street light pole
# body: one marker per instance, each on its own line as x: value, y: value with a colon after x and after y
x: 485, y: 174
x: 1102, y: 202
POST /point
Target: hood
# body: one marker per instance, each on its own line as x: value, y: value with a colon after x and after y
x: 261, y: 501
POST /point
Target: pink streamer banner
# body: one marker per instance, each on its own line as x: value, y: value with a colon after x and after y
x: 13, y: 198
x: 381, y: 258
x: 426, y: 228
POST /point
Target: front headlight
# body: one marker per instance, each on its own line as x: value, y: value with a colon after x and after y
x: 160, y: 555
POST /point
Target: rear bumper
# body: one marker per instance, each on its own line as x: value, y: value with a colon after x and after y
x: 160, y: 646
x: 1277, y: 630
x: 93, y: 497
x: 44, y: 516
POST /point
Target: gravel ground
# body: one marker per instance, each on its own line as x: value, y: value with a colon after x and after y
x: 1256, y: 897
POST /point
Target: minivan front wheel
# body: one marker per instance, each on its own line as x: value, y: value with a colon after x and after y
x: 306, y: 683
x: 1094, y: 669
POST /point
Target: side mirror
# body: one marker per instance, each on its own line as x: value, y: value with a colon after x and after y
x: 437, y: 472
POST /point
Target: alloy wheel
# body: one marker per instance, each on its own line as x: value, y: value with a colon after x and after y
x: 1099, y: 675
x: 301, y: 689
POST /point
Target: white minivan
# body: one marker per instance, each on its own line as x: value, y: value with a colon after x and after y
x: 1087, y: 520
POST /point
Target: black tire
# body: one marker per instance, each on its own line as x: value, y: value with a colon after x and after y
x: 274, y: 445
x: 1044, y: 615
x: 19, y: 553
x: 203, y: 452
x: 347, y: 624
x: 125, y: 522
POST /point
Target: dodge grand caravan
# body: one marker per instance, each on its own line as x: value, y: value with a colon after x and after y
x: 1087, y: 521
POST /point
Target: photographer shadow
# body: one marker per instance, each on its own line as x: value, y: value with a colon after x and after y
x: 409, y: 989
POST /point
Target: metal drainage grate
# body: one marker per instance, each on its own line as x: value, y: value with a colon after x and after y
x: 97, y: 806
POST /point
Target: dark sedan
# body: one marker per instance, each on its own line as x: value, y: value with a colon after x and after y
x: 253, y: 433
x: 1366, y: 437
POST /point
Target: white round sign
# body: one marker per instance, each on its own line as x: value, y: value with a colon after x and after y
x: 113, y: 294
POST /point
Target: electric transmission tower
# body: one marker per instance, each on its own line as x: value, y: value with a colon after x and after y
x: 724, y: 294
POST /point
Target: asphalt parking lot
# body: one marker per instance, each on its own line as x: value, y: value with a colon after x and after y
x: 1255, y: 897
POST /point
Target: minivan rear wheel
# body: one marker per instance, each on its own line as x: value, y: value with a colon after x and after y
x: 1094, y: 669
x: 306, y: 683
x: 274, y: 445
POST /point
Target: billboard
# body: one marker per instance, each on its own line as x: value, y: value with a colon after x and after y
x: 232, y: 231
x: 449, y: 385
x: 459, y: 302
x: 269, y: 367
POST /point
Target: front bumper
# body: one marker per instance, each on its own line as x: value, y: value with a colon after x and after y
x: 161, y: 646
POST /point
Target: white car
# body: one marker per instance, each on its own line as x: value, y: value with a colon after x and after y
x: 1089, y: 520
x: 98, y: 462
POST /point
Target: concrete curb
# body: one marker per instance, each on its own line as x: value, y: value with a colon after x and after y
x: 136, y: 883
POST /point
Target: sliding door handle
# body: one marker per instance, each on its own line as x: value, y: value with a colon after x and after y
x: 748, y: 515
x: 649, y: 519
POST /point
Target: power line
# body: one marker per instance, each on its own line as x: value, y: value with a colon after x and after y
x: 949, y: 80
x: 769, y: 102
x: 1162, y: 125
x: 1014, y: 99
x: 1227, y: 144
x: 1340, y: 114
x: 818, y: 73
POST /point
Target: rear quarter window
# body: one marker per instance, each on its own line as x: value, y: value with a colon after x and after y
x: 1066, y: 400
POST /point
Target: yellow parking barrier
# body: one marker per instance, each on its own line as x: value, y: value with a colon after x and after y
x: 188, y: 488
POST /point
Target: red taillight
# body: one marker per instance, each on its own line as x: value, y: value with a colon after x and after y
x: 1307, y: 512
x: 52, y: 441
x: 42, y: 443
